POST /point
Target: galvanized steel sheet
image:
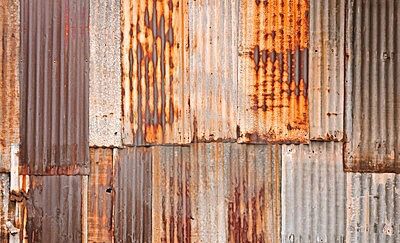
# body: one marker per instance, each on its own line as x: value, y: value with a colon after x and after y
x: 9, y: 81
x: 155, y: 72
x: 273, y: 71
x: 105, y: 104
x: 372, y: 88
x: 326, y: 70
x: 313, y: 193
x: 100, y: 201
x: 54, y: 87
x: 373, y: 207
x: 213, y: 43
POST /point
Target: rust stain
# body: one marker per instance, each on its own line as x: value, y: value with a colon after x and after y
x: 151, y: 50
x: 275, y: 59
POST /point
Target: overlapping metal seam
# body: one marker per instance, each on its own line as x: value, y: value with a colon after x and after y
x: 213, y: 69
x: 54, y: 87
x: 372, y: 65
x: 9, y: 81
x: 313, y: 193
x: 105, y: 126
x: 326, y: 70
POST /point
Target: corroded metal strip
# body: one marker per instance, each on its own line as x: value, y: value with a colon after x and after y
x: 4, y: 205
x: 154, y: 72
x: 273, y: 65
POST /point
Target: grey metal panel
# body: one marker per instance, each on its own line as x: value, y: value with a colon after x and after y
x: 373, y: 207
x: 105, y: 74
x: 9, y: 80
x: 326, y: 69
x: 4, y: 205
x: 372, y: 90
x: 213, y: 31
x: 133, y: 195
x: 313, y: 193
x: 54, y: 87
x: 54, y: 209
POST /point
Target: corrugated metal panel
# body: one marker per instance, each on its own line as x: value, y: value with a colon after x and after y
x: 54, y: 209
x: 373, y: 207
x: 105, y: 74
x: 171, y: 203
x: 313, y: 193
x: 100, y: 206
x: 133, y: 190
x: 326, y: 69
x: 373, y: 65
x: 154, y: 72
x: 4, y: 201
x: 9, y: 81
x: 54, y: 87
x: 213, y: 69
x: 273, y: 65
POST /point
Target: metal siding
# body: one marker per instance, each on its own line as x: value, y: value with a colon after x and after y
x: 171, y: 204
x: 54, y: 209
x: 105, y: 112
x: 100, y: 207
x: 313, y: 193
x: 54, y: 87
x: 4, y: 205
x: 133, y: 195
x: 326, y: 70
x: 373, y: 207
x: 273, y: 66
x: 9, y: 80
x: 213, y: 69
x: 154, y: 72
x: 372, y: 116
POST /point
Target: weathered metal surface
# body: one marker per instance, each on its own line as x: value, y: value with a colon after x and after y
x: 313, y: 193
x: 171, y: 203
x: 133, y: 195
x: 54, y: 87
x: 273, y: 66
x: 326, y: 70
x: 9, y: 80
x: 154, y: 72
x: 213, y: 69
x: 100, y: 207
x: 54, y: 209
x: 105, y: 103
x: 4, y: 202
x: 372, y: 89
x: 373, y: 207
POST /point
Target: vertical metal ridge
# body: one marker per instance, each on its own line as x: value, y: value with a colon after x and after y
x: 9, y: 81
x: 373, y: 207
x: 372, y: 124
x: 326, y: 74
x: 105, y: 127
x: 54, y: 87
x: 313, y: 193
x: 213, y: 69
x: 4, y: 201
x: 273, y: 71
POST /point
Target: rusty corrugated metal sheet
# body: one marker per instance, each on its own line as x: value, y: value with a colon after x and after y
x: 54, y: 86
x: 9, y: 80
x: 105, y: 74
x: 372, y: 89
x: 273, y: 66
x: 133, y: 195
x: 313, y: 193
x: 54, y: 209
x: 213, y: 69
x: 100, y: 201
x: 154, y: 72
x: 4, y: 202
x: 326, y: 69
x: 373, y: 207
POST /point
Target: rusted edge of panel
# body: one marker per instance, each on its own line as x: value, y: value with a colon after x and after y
x: 70, y: 170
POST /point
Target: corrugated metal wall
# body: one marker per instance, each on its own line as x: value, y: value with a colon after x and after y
x: 199, y: 121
